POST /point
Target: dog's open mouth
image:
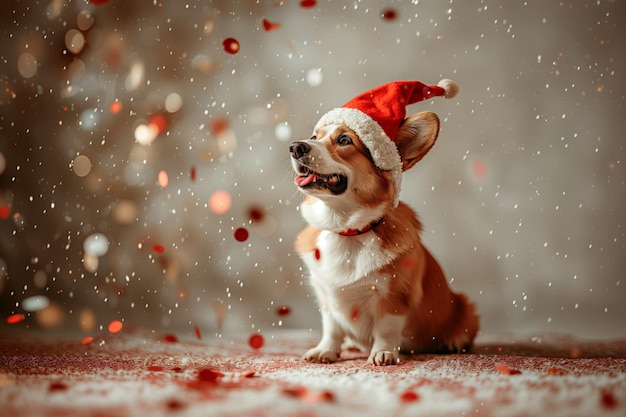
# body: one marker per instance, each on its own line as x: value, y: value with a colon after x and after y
x: 335, y: 183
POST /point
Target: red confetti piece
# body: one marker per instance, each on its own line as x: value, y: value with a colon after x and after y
x: 241, y: 234
x: 170, y: 338
x: 192, y: 174
x: 57, y: 386
x: 298, y: 392
x: 4, y: 212
x: 155, y: 368
x: 256, y: 214
x: 389, y: 14
x: 355, y: 314
x: 283, y: 311
x: 409, y: 396
x: 87, y: 340
x: 317, y: 254
x: 97, y: 2
x: 256, y: 341
x: 115, y: 326
x: 231, y: 45
x: 175, y: 405
x: 15, y: 318
x: 249, y: 374
x: 556, y: 371
x: 269, y: 26
x: 197, y: 330
x: 307, y: 4
x: 218, y: 125
x: 480, y: 169
x: 115, y: 107
x: 506, y: 370
x: 207, y: 375
x: 607, y: 398
x: 158, y: 249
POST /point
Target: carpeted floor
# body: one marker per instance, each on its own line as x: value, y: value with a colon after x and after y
x: 143, y: 373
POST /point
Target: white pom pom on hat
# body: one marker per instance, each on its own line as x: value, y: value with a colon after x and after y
x: 376, y: 116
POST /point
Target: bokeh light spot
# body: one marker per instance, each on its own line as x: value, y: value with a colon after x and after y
x: 220, y: 202
x: 96, y: 244
x: 81, y: 165
x: 35, y: 303
x: 27, y: 65
x: 163, y: 179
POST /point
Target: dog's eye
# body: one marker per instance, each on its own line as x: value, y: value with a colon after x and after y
x: 344, y: 140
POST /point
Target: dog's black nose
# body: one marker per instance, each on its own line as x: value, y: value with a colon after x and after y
x: 298, y: 149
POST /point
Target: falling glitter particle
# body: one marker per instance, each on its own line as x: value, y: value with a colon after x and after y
x: 307, y: 4
x: 269, y: 26
x: 158, y: 249
x: 317, y: 254
x: 115, y: 326
x: 389, y: 14
x: 283, y: 311
x: 256, y: 341
x: 231, y: 45
x: 98, y: 2
x: 241, y: 234
x: 220, y: 202
x: 15, y: 318
x: 163, y: 179
x: 196, y: 329
x: 192, y: 174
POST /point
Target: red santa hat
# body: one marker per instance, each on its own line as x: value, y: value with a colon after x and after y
x: 377, y: 114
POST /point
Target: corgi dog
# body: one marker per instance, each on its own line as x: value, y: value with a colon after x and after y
x: 379, y: 289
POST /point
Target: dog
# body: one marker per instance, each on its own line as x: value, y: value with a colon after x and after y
x: 379, y: 289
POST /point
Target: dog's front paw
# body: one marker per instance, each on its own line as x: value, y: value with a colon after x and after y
x: 319, y: 355
x: 384, y: 357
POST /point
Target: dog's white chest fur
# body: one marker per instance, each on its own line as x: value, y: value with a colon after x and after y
x: 345, y: 273
x: 342, y: 260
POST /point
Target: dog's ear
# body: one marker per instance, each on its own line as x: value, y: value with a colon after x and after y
x: 416, y: 136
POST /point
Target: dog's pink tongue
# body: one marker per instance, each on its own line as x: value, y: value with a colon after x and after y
x: 302, y: 180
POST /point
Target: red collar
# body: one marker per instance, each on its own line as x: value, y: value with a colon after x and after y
x: 367, y: 228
